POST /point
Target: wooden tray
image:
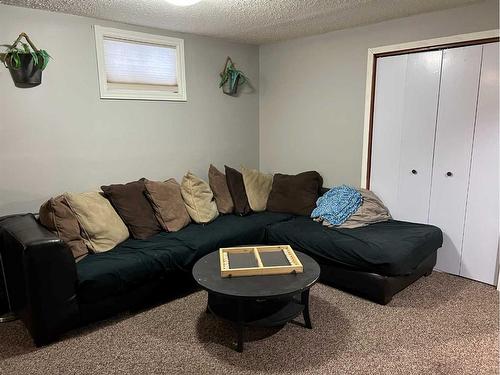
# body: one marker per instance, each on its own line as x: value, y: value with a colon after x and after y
x: 258, y: 260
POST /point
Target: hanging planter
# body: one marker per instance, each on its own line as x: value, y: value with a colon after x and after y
x: 231, y: 78
x: 25, y: 62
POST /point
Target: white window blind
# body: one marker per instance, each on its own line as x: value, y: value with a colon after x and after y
x: 139, y: 66
x: 131, y: 63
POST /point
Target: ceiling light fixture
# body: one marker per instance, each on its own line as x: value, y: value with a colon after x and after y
x: 183, y: 3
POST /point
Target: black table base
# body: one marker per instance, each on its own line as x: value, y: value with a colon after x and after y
x: 259, y: 312
x: 262, y: 301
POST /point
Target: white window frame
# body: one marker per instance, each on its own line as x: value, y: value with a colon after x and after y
x: 102, y: 32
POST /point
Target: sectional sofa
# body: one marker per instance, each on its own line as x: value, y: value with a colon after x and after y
x: 53, y: 294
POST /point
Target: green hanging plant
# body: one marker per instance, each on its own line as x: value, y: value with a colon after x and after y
x: 231, y: 78
x: 25, y: 62
x: 13, y: 53
x: 12, y: 57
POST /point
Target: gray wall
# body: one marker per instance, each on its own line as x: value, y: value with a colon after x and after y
x: 312, y: 90
x: 61, y: 137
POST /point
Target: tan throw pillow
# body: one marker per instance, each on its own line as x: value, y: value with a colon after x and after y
x: 57, y: 217
x: 371, y: 211
x: 198, y: 198
x: 102, y: 228
x: 168, y: 205
x: 258, y: 186
x: 218, y: 184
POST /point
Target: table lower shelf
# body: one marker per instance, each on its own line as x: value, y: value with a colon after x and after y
x: 261, y: 313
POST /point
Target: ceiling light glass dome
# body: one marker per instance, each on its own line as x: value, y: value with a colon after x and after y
x: 183, y: 3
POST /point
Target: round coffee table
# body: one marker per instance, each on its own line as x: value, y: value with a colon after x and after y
x: 263, y: 301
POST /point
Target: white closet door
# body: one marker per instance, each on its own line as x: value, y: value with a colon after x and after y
x: 386, y: 137
x: 480, y: 244
x: 452, y: 154
x: 417, y: 138
x: 405, y: 108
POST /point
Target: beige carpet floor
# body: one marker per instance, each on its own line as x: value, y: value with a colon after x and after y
x: 440, y: 325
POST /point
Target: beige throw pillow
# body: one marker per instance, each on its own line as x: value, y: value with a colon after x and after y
x: 102, y: 228
x: 168, y: 205
x: 258, y: 186
x: 198, y: 198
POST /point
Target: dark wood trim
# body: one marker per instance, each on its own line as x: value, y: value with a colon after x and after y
x: 370, y: 128
x: 404, y: 52
x: 438, y: 47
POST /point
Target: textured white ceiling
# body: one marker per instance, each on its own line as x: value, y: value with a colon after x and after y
x: 252, y: 21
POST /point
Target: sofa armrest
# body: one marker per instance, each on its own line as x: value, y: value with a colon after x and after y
x: 41, y: 277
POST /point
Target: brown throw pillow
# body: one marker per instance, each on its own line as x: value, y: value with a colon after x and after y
x: 168, y: 205
x: 131, y: 204
x: 236, y: 187
x: 57, y: 217
x: 295, y: 194
x: 218, y: 184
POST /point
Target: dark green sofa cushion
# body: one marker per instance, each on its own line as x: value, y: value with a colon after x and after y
x: 389, y: 248
x: 135, y: 262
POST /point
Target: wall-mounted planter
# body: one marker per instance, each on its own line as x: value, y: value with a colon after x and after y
x: 231, y: 78
x: 25, y: 63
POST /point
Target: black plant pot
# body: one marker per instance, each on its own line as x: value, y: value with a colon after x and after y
x: 28, y: 75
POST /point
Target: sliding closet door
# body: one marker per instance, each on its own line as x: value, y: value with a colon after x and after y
x: 480, y: 244
x: 453, y: 148
x: 404, y: 121
x: 417, y: 137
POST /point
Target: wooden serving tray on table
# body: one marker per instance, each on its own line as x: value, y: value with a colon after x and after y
x: 258, y: 260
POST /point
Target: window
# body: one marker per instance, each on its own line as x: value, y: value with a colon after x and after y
x: 139, y: 66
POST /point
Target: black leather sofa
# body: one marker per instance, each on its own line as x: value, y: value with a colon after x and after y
x: 52, y: 294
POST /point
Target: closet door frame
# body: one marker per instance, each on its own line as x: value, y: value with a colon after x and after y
x: 461, y: 40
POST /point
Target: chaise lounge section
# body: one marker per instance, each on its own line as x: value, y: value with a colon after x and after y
x: 375, y: 261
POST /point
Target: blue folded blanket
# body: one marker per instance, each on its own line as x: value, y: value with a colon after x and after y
x: 337, y: 204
